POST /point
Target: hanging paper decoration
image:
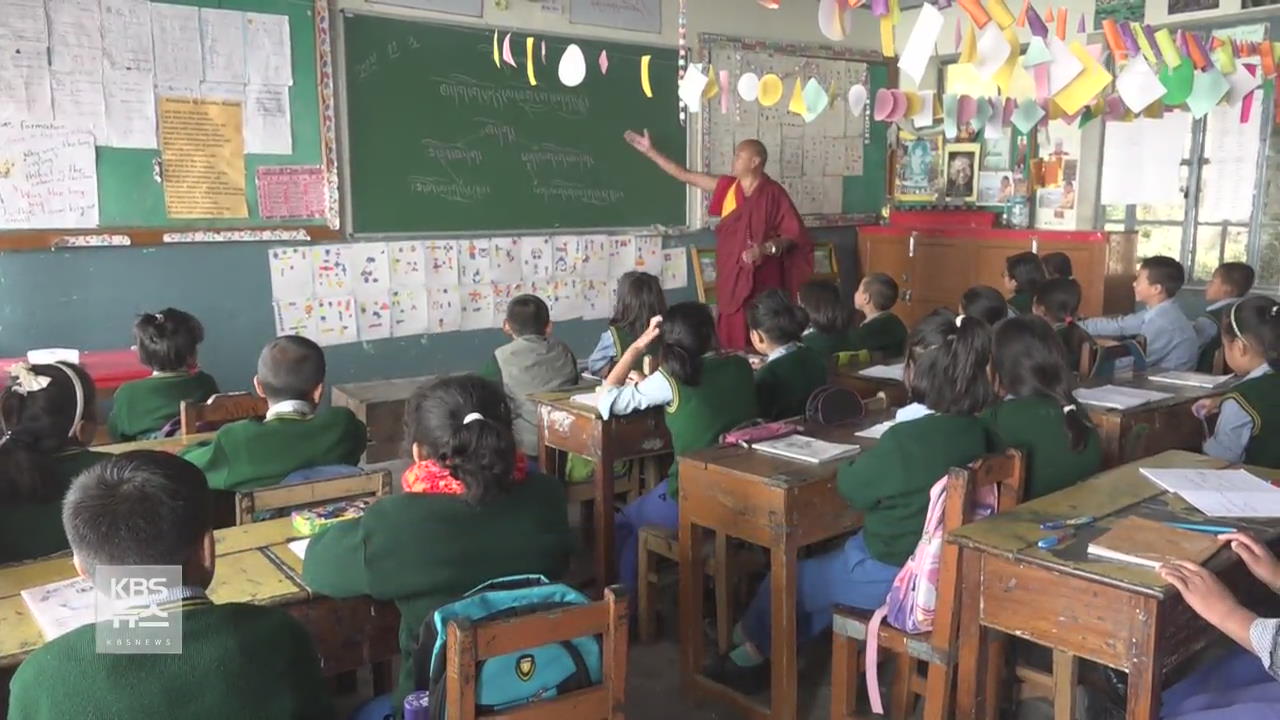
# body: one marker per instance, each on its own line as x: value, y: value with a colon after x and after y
x: 507, y: 57
x: 604, y: 62
x: 573, y: 66
x: 644, y: 75
x: 748, y: 87
x: 497, y: 62
x: 528, y: 52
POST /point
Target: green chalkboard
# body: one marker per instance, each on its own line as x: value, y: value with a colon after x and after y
x: 865, y: 193
x: 130, y: 197
x: 441, y: 139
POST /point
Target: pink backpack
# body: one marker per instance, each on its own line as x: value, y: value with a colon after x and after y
x: 913, y: 598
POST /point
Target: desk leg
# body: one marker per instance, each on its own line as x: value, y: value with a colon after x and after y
x: 1145, y: 662
x: 969, y: 637
x: 1112, y: 440
x: 782, y: 597
x: 1065, y: 672
x: 603, y: 482
x: 691, y: 580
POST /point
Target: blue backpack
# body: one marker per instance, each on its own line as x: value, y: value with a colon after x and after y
x: 520, y: 677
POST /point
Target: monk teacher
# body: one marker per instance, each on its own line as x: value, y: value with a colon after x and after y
x: 761, y: 242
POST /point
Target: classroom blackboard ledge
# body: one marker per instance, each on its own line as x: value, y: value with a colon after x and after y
x: 115, y: 237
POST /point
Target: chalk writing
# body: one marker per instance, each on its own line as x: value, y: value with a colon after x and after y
x: 449, y: 189
x: 451, y: 152
x: 503, y: 133
x: 464, y: 90
x: 575, y: 193
x: 557, y: 157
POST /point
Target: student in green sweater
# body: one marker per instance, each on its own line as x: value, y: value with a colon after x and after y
x: 295, y: 435
x: 946, y: 374
x: 1023, y: 273
x: 470, y: 512
x: 1058, y: 302
x: 47, y: 414
x: 985, y: 303
x: 830, y: 318
x: 791, y: 370
x: 237, y: 660
x: 705, y: 396
x: 166, y: 343
x: 881, y: 331
x: 1251, y: 347
x: 1039, y: 414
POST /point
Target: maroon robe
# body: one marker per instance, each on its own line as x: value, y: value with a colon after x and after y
x: 767, y: 214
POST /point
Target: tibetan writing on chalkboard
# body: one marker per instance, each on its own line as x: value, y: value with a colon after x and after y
x: 202, y: 150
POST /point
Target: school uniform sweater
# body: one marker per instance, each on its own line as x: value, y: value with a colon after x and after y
x: 827, y: 344
x: 1207, y: 332
x: 32, y: 530
x: 1035, y: 425
x: 422, y: 551
x: 883, y: 333
x: 890, y: 482
x: 1259, y: 397
x: 258, y: 453
x: 145, y: 406
x: 699, y: 414
x: 785, y: 382
x: 1021, y: 302
x: 533, y: 364
x: 240, y: 661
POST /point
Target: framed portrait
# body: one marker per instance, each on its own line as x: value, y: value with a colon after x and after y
x: 961, y: 168
x: 918, y: 176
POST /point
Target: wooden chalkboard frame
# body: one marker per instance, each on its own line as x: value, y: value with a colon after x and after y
x: 707, y: 42
x: 326, y: 229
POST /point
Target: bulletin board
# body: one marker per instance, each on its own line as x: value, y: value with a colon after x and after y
x: 835, y: 167
x: 131, y: 198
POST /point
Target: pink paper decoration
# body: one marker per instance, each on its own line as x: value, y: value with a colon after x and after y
x: 604, y: 62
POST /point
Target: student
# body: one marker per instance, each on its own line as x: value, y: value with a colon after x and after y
x: 238, y: 660
x: 881, y: 331
x: 532, y: 362
x: 470, y: 512
x: 985, y: 303
x: 1249, y: 414
x: 1058, y: 302
x: 1057, y: 265
x: 705, y: 396
x: 1039, y: 414
x: 946, y: 375
x: 1023, y: 273
x: 830, y: 318
x: 640, y: 298
x: 166, y: 343
x: 1231, y: 282
x: 792, y: 370
x: 296, y: 434
x: 47, y: 414
x: 1237, y: 686
x: 1171, y: 341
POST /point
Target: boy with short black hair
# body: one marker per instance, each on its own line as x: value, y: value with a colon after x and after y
x: 1231, y: 282
x: 295, y: 435
x: 881, y: 331
x: 237, y: 660
x: 533, y: 362
x: 1171, y: 340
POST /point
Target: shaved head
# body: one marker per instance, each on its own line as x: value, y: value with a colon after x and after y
x: 749, y: 159
x: 755, y: 147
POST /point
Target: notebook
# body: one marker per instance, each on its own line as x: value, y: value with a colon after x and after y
x: 875, y: 431
x: 884, y: 372
x: 60, y: 607
x: 1194, y: 379
x: 1220, y: 493
x: 803, y: 448
x: 1139, y: 541
x: 1121, y: 398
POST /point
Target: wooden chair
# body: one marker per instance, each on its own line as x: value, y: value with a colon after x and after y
x: 251, y: 503
x: 1100, y: 357
x: 937, y: 648
x: 469, y: 643
x: 220, y: 410
x: 1219, y: 363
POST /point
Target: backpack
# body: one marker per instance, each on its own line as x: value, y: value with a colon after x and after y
x: 913, y: 598
x: 520, y: 677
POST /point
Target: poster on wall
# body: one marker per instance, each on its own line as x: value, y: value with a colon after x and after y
x: 1057, y: 176
x: 919, y: 171
x: 1178, y: 7
x: 1119, y: 10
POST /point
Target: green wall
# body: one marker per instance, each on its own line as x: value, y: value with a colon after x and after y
x: 86, y: 298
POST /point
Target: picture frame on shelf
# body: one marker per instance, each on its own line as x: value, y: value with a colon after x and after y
x: 918, y: 175
x: 961, y: 171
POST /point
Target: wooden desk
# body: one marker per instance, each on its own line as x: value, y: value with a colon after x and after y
x: 868, y: 387
x: 571, y: 427
x: 1169, y: 424
x: 768, y: 501
x: 1120, y: 615
x: 169, y: 445
x: 254, y: 566
x: 379, y: 404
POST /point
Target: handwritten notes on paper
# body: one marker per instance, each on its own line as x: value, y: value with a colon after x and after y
x: 202, y: 147
x: 48, y: 177
x: 267, y: 128
x: 292, y: 192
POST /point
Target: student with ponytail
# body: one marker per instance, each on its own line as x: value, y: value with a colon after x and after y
x: 1039, y: 414
x: 1251, y: 411
x: 946, y: 375
x: 792, y: 371
x: 1023, y: 273
x: 470, y: 512
x: 1058, y: 302
x: 167, y: 342
x: 47, y: 415
x: 705, y: 396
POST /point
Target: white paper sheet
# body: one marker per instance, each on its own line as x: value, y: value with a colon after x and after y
x: 408, y: 264
x: 444, y: 308
x: 1138, y: 84
x: 675, y: 268
x: 268, y: 51
x: 993, y: 50
x: 1220, y: 493
x: 336, y: 321
x: 175, y: 36
x: 502, y: 295
x: 595, y: 257
x: 885, y: 372
x: 296, y: 317
x: 233, y: 92
x: 372, y: 270
x: 23, y: 21
x: 267, y: 128
x: 25, y: 92
x: 373, y: 318
x: 1064, y: 67
x: 915, y: 55
x: 84, y: 62
x: 291, y: 276
x: 1231, y: 148
x: 442, y: 263
x: 536, y: 258
x: 130, y: 107
x: 222, y: 45
x: 60, y: 607
x: 477, y: 306
x: 1137, y: 166
x: 875, y: 431
x: 409, y: 311
x: 1193, y: 379
x: 504, y: 260
x: 186, y: 91
x: 565, y: 298
x: 622, y: 255
x: 473, y: 261
x: 331, y: 266
x: 126, y: 29
x: 597, y: 299
x: 75, y: 22
x: 649, y: 254
x: 1242, y: 82
x: 1118, y: 397
x: 566, y: 255
x: 299, y: 547
x: 52, y: 180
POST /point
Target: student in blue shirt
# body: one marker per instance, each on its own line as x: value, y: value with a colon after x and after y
x: 1171, y: 340
x: 1251, y: 345
x: 639, y: 298
x: 1231, y: 282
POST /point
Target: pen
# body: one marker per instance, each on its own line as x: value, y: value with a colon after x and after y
x: 1073, y: 522
x: 1215, y: 529
x: 1055, y: 540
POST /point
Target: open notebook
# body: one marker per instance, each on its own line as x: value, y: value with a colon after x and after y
x: 1121, y: 398
x: 884, y: 372
x: 1220, y: 493
x: 803, y: 448
x: 60, y: 607
x: 1148, y: 543
x: 1193, y: 379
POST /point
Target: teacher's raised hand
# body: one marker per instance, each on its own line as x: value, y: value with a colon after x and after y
x: 639, y: 141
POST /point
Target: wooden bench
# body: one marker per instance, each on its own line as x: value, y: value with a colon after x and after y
x: 219, y: 410
x: 252, y: 503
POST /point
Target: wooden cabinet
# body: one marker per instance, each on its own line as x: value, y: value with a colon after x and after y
x: 933, y: 266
